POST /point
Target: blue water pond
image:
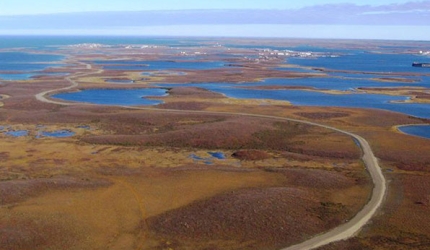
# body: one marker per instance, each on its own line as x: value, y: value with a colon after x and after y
x: 218, y: 155
x: 17, y: 133
x: 120, y: 97
x: 209, y: 160
x: 417, y: 130
x: 84, y: 127
x: 58, y: 134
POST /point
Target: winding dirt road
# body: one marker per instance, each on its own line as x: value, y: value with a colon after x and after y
x: 342, y: 232
x: 42, y: 96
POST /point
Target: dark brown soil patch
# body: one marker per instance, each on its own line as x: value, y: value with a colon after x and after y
x: 185, y: 105
x: 251, y: 155
x: 270, y: 218
x: 421, y: 95
x: 4, y: 156
x: 36, y: 233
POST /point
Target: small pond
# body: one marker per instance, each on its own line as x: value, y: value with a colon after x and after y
x: 217, y: 155
x: 210, y: 159
x: 17, y: 133
x: 58, y: 134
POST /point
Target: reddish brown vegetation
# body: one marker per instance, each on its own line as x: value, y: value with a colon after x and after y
x: 16, y: 191
x: 269, y: 218
x: 185, y: 105
x: 410, y: 155
x: 209, y: 132
x: 322, y: 115
x: 403, y: 222
x: 4, y: 156
x: 318, y: 179
x: 395, y: 79
x: 251, y: 155
x: 36, y: 233
x: 421, y: 95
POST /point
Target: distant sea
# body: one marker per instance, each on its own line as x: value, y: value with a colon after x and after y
x: 51, y: 42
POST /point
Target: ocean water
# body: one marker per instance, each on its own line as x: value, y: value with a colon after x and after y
x: 20, y: 61
x: 23, y: 66
x: 53, y: 42
x: 366, y: 61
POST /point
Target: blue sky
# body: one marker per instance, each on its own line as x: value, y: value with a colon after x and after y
x: 377, y: 19
x: 17, y: 7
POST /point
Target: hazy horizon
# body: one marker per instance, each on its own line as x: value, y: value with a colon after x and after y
x: 390, y: 19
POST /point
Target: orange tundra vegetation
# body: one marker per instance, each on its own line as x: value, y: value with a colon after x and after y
x: 130, y: 181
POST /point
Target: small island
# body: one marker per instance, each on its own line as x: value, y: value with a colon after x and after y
x: 421, y: 65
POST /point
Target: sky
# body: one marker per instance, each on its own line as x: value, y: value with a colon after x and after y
x: 20, y: 7
x: 368, y: 19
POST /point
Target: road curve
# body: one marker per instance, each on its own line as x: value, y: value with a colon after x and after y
x: 342, y: 232
x: 353, y: 226
x: 42, y: 96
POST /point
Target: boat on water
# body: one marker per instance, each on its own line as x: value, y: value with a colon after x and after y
x: 422, y: 65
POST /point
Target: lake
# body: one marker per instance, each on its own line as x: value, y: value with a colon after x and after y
x: 417, y: 130
x: 116, y: 97
x: 313, y: 98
